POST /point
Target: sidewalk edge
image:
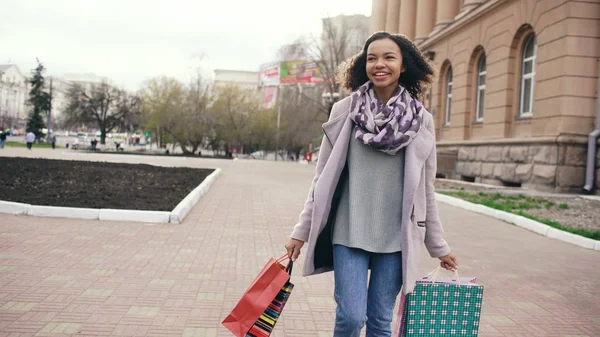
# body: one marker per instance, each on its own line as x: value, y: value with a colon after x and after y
x: 179, y: 213
x: 522, y: 222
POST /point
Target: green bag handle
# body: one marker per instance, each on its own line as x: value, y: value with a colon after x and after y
x: 432, y: 276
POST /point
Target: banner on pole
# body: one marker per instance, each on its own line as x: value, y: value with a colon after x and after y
x: 270, y: 97
x: 293, y: 72
x: 268, y: 75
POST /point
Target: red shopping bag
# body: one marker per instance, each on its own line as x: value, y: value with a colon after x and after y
x: 265, y: 287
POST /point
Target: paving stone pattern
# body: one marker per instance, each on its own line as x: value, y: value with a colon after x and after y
x: 64, y: 277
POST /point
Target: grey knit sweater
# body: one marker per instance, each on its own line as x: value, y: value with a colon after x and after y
x: 369, y: 213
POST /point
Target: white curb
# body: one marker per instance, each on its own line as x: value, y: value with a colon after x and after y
x: 572, y: 238
x: 185, y: 206
x: 133, y: 215
x: 13, y: 207
x: 521, y: 221
x: 64, y: 212
x: 175, y: 216
x: 466, y: 183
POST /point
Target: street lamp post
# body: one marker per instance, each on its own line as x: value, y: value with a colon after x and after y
x: 329, y: 100
x: 50, y: 109
x: 279, y: 103
x: 278, y: 122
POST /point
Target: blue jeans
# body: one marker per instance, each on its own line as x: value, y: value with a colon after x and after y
x: 2, y: 143
x: 355, y: 302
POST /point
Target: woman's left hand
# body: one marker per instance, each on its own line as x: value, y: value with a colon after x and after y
x: 449, y: 262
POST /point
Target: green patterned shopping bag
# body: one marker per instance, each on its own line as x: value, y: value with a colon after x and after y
x: 444, y: 307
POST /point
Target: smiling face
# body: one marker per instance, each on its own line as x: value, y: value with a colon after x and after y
x: 384, y: 63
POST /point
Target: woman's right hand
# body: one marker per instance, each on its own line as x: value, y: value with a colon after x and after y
x: 449, y: 262
x: 293, y: 247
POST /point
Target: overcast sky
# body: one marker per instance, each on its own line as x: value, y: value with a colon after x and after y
x: 129, y: 41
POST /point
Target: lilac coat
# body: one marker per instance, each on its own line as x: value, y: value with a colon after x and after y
x: 420, y: 218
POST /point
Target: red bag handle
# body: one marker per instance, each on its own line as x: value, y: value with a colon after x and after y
x: 290, y: 264
x: 283, y: 258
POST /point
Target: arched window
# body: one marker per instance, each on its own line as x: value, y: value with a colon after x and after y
x: 448, y: 96
x: 527, y: 77
x: 481, y: 72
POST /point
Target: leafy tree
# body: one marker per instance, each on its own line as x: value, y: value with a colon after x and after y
x: 178, y: 112
x: 192, y: 127
x: 103, y: 105
x: 263, y: 129
x: 233, y: 112
x: 161, y: 98
x: 39, y: 100
x: 198, y: 116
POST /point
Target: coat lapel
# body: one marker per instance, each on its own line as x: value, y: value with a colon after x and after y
x: 421, y: 146
x: 338, y: 132
x: 416, y: 154
x: 332, y: 128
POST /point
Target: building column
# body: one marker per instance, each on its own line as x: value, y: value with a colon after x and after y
x: 467, y: 6
x: 425, y: 19
x: 392, y: 17
x: 408, y: 15
x: 377, y: 21
x: 446, y: 11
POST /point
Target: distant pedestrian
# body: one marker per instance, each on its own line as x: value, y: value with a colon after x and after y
x: 53, y: 141
x: 30, y: 138
x: 2, y: 138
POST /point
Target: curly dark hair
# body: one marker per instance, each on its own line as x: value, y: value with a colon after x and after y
x: 417, y: 76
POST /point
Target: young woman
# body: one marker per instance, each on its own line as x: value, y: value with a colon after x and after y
x: 372, y: 202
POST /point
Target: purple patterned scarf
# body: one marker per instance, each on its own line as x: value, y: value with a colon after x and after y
x: 387, y: 128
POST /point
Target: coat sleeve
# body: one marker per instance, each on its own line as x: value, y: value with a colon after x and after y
x: 434, y: 233
x: 302, y: 229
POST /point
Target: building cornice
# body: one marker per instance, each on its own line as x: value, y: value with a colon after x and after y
x: 235, y: 71
x: 561, y: 139
x: 461, y: 22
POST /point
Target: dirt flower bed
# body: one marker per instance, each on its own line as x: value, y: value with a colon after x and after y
x: 96, y: 184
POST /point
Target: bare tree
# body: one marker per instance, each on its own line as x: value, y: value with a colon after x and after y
x: 101, y: 104
x: 341, y: 38
x: 299, y: 126
x: 7, y: 120
x: 305, y: 106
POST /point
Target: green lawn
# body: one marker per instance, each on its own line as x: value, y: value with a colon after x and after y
x: 19, y: 144
x: 519, y: 204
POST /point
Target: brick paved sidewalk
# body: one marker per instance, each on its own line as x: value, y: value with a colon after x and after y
x: 62, y: 277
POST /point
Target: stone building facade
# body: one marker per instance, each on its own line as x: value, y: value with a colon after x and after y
x: 517, y: 88
x: 14, y: 92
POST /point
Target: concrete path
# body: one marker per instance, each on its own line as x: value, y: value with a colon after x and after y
x: 62, y: 277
